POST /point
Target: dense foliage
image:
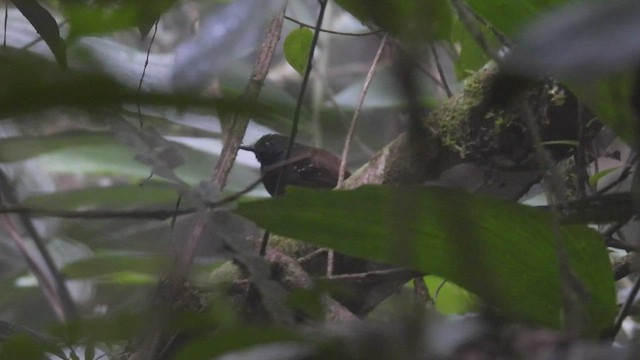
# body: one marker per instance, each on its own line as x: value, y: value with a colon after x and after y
x: 494, y: 147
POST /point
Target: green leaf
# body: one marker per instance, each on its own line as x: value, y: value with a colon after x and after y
x: 471, y: 57
x: 85, y: 20
x: 113, y: 196
x: 609, y: 99
x: 297, y: 47
x: 106, y: 264
x: 503, y: 252
x: 19, y: 148
x: 407, y: 19
x: 150, y: 12
x: 116, y: 326
x: 89, y: 352
x: 238, y: 338
x: 449, y: 298
x: 108, y: 17
x: 593, y: 179
x: 22, y: 347
x: 509, y: 16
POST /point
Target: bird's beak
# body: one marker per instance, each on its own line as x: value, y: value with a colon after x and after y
x: 247, y: 148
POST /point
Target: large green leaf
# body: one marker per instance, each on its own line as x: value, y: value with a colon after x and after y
x: 407, y: 19
x: 448, y: 297
x: 113, y: 196
x: 509, y: 16
x: 108, y: 16
x: 503, y: 252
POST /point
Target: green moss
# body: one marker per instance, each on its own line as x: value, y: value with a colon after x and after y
x: 557, y: 94
x: 225, y: 274
x: 498, y: 119
x: 290, y: 247
x: 450, y: 121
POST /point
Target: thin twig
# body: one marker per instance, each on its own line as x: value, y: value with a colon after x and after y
x: 144, y: 69
x: 626, y: 171
x: 189, y: 252
x: 614, y: 228
x: 331, y: 257
x: 298, y: 109
x: 463, y: 14
x: 443, y: 79
x: 500, y: 36
x: 623, y: 266
x: 421, y: 292
x: 312, y: 255
x: 582, y: 176
x: 372, y: 274
x: 572, y: 288
x: 435, y: 296
x: 239, y: 123
x: 344, y: 119
x: 626, y: 308
x: 39, y: 38
x: 6, y: 23
x: 175, y: 213
x: 303, y: 89
x: 554, y: 181
x: 417, y: 63
x: 160, y: 214
x: 68, y: 307
x: 356, y: 114
x: 333, y: 31
x: 319, y: 80
x: 46, y: 283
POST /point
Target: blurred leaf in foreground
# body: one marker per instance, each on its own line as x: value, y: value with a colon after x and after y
x: 503, y: 252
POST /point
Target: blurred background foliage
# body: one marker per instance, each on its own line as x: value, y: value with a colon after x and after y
x: 122, y: 105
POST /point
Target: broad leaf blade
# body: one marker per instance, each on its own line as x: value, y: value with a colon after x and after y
x: 46, y: 26
x: 405, y: 19
x: 150, y: 12
x: 509, y: 16
x: 117, y: 196
x: 503, y: 252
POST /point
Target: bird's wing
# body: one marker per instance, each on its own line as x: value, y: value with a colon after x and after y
x: 321, y: 171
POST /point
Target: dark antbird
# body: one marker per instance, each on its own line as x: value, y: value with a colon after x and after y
x: 316, y: 168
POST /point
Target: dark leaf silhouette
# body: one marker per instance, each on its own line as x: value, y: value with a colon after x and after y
x: 46, y: 26
x: 150, y: 12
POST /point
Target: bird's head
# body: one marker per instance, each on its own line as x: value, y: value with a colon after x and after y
x: 270, y: 149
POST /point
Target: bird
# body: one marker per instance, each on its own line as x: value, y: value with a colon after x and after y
x: 316, y: 168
